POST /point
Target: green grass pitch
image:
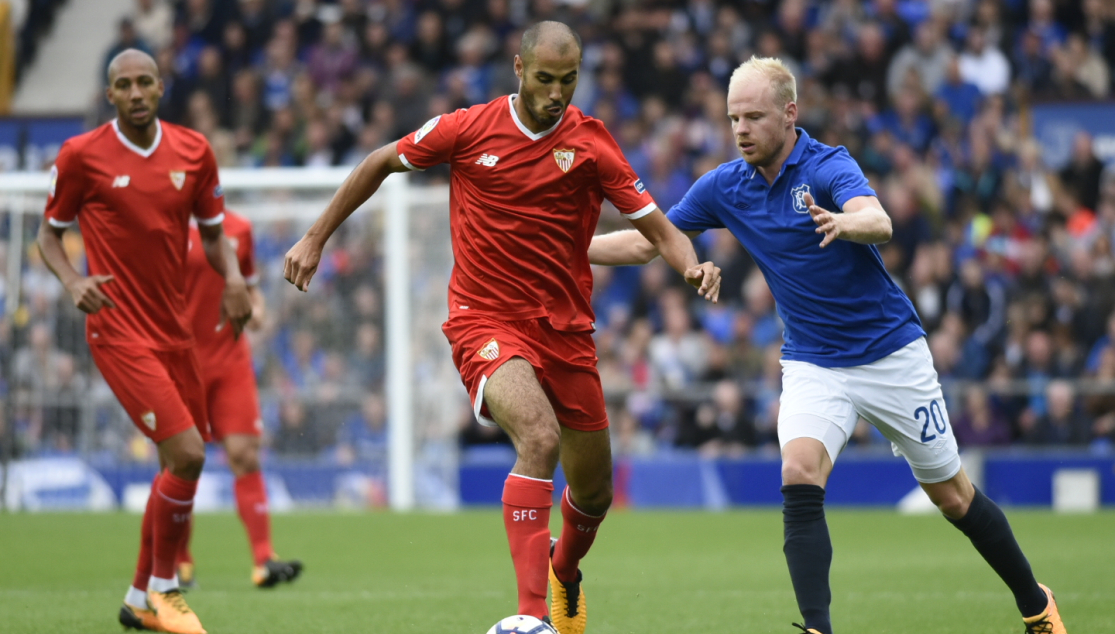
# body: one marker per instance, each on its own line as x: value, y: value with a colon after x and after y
x: 650, y: 572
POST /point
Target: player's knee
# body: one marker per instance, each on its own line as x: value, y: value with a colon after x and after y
x: 243, y: 460
x: 541, y: 443
x: 799, y: 472
x: 598, y: 501
x: 951, y: 503
x: 187, y: 462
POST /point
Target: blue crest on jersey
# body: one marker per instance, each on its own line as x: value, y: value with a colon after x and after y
x: 639, y: 187
x: 218, y: 191
x: 799, y: 193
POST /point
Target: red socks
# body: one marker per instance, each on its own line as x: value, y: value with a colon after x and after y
x: 251, y: 502
x: 146, y: 535
x: 184, y: 556
x: 526, y: 516
x: 171, y: 510
x: 578, y: 531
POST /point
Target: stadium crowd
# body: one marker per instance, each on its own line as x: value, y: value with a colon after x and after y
x: 1009, y: 263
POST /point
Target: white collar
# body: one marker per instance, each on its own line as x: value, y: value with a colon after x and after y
x: 135, y: 148
x: 533, y: 136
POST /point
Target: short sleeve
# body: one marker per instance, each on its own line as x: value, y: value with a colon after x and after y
x: 245, y: 253
x: 432, y: 144
x: 621, y: 185
x: 841, y: 176
x: 67, y: 189
x: 693, y: 212
x: 209, y: 205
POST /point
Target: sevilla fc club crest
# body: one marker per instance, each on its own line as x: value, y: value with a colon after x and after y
x: 564, y: 159
x: 178, y: 179
x: 490, y: 351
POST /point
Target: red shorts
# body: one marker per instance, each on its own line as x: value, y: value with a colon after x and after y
x: 565, y: 363
x: 160, y: 389
x: 232, y: 400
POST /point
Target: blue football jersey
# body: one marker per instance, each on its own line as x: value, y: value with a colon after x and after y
x: 838, y: 305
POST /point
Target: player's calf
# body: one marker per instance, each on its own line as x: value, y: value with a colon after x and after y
x: 990, y: 532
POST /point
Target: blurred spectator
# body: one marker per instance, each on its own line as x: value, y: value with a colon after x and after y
x: 332, y: 59
x: 1081, y: 176
x: 154, y: 22
x: 431, y: 48
x: 1062, y: 423
x: 720, y: 427
x: 213, y: 81
x: 979, y: 301
x: 983, y: 64
x: 363, y: 436
x: 927, y: 58
x: 980, y: 423
x: 679, y: 355
x: 958, y: 94
x: 126, y: 37
x: 297, y: 435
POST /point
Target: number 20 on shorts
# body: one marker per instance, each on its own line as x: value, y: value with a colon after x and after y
x: 932, y: 414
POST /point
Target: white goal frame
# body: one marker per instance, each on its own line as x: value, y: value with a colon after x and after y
x: 396, y: 197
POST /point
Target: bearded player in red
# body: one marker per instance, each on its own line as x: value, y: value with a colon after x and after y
x: 529, y: 173
x: 231, y: 398
x: 133, y: 184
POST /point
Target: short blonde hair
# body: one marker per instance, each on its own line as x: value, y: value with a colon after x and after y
x: 781, y: 79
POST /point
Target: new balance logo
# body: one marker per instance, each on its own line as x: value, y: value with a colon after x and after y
x: 121, y: 181
x: 487, y: 160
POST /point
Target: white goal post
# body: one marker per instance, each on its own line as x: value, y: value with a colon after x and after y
x: 25, y: 193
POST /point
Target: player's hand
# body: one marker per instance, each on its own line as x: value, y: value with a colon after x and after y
x: 705, y: 277
x: 236, y: 306
x: 827, y: 222
x: 87, y: 294
x: 301, y: 263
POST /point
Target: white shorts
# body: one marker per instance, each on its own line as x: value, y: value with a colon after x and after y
x: 898, y: 394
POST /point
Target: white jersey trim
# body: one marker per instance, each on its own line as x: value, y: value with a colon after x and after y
x: 209, y: 222
x: 61, y: 224
x: 533, y: 136
x: 642, y: 212
x: 517, y: 475
x: 403, y: 158
x: 135, y: 148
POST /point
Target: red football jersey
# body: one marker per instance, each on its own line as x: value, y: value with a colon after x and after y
x: 523, y: 208
x: 134, y: 206
x: 204, y: 287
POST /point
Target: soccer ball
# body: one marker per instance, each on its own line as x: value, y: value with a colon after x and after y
x: 521, y: 624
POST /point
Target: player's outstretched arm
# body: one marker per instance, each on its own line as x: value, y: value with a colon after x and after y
x: 85, y: 291
x: 303, y: 258
x: 236, y: 305
x: 621, y: 248
x: 677, y: 249
x: 864, y: 221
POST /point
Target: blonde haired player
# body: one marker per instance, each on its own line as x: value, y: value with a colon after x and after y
x: 854, y: 346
